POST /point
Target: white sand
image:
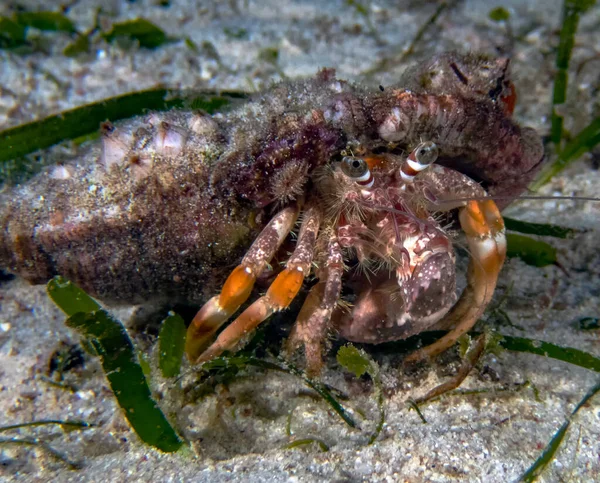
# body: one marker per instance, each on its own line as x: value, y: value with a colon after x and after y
x: 239, y: 433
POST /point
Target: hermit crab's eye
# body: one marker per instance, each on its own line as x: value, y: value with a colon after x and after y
x: 419, y: 159
x: 357, y: 170
x: 426, y: 153
x: 354, y: 167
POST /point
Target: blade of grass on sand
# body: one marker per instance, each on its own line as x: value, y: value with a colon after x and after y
x: 571, y: 13
x: 584, y: 142
x: 126, y: 378
x: 119, y: 361
x: 171, y: 342
x: 49, y: 21
x: 540, y: 464
x: 515, y: 344
x: 533, y: 252
x: 68, y: 425
x: 566, y: 354
x: 540, y: 229
x: 146, y: 33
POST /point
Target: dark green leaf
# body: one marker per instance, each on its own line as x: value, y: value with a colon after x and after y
x: 80, y: 45
x: 208, y: 104
x: 123, y: 371
x: 571, y: 13
x: 12, y: 34
x: 353, y: 360
x: 533, y: 252
x: 68, y: 425
x: 269, y: 55
x: 70, y: 298
x: 358, y: 362
x: 236, y: 33
x: 145, y: 365
x: 540, y: 464
x: 570, y: 22
x: 566, y: 354
x: 517, y: 344
x: 146, y: 33
x: 171, y: 342
x: 359, y: 7
x: 589, y: 323
x: 50, y: 21
x: 190, y: 44
x: 584, y: 142
x: 209, y: 50
x: 126, y: 378
x: 499, y: 14
x: 581, y: 6
x: 303, y: 442
x: 541, y: 229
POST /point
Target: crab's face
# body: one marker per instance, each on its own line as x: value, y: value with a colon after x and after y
x: 405, y: 278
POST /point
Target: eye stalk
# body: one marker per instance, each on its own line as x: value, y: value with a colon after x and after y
x: 420, y: 158
x: 357, y: 170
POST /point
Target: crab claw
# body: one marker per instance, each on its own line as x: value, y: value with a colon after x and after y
x: 484, y: 227
x: 392, y: 309
x: 239, y: 284
x: 279, y: 296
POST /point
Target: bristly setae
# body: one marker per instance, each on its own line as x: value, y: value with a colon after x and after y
x: 167, y: 203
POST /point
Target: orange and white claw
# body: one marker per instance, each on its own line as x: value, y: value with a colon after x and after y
x: 280, y: 294
x: 484, y: 227
x: 218, y: 309
x: 239, y: 284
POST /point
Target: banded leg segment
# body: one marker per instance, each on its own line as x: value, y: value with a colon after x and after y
x: 279, y: 295
x: 484, y: 227
x: 314, y: 318
x: 239, y: 284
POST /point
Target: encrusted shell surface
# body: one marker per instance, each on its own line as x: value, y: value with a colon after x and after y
x: 165, y: 203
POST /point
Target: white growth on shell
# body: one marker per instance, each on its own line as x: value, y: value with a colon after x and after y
x: 394, y: 127
x: 61, y: 172
x: 169, y: 140
x: 203, y: 125
x: 115, y: 146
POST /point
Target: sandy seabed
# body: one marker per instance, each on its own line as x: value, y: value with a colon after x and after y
x: 239, y: 433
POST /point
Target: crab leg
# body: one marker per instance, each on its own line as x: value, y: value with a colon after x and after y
x: 313, y: 320
x: 239, y: 284
x: 279, y: 295
x: 484, y: 227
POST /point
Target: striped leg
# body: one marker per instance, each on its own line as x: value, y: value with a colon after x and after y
x: 279, y: 295
x: 313, y: 320
x: 239, y: 284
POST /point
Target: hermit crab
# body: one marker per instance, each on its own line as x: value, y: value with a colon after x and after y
x: 167, y: 203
